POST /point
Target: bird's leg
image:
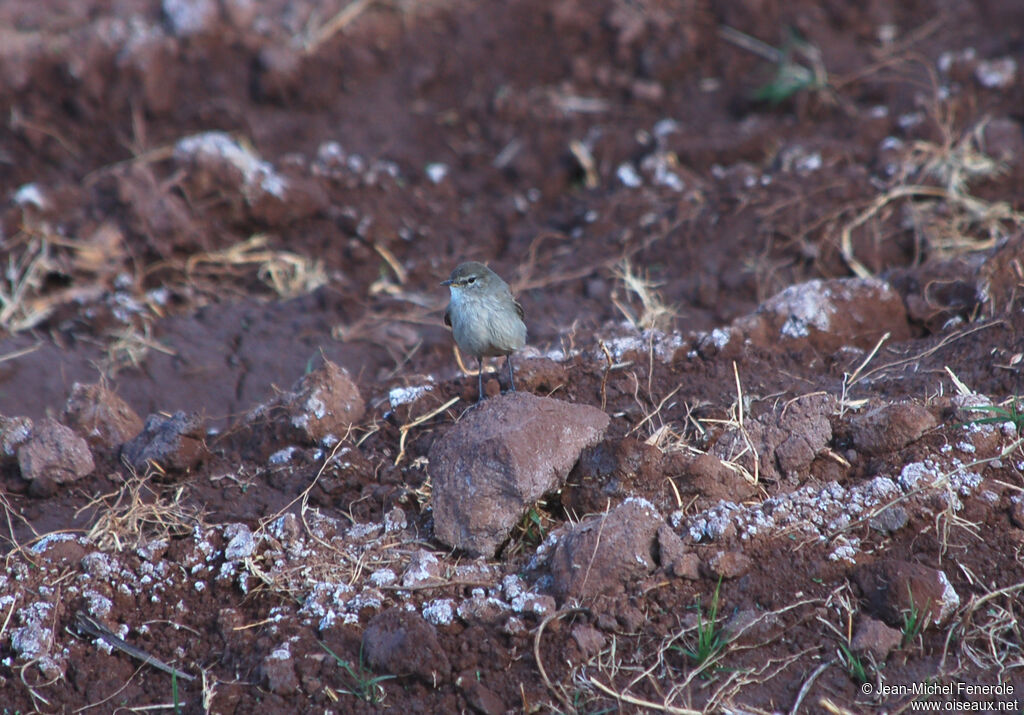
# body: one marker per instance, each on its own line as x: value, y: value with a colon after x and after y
x: 480, y: 380
x: 511, y: 377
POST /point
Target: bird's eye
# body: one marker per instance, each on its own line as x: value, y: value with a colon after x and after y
x: 471, y: 280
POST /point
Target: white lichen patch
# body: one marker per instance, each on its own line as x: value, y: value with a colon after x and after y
x: 664, y: 345
x: 241, y: 543
x: 282, y: 456
x: 996, y: 74
x: 814, y: 303
x: 383, y: 577
x: 49, y: 540
x: 33, y: 637
x: 628, y: 175
x: 436, y: 172
x: 440, y: 612
x: 404, y: 395
x: 823, y: 512
x: 219, y: 148
x: 30, y: 195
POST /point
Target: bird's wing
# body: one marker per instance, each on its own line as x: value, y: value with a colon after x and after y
x: 519, y: 309
x: 448, y: 316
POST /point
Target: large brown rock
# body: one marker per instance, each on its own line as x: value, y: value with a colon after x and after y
x: 499, y: 459
x: 53, y: 455
x: 604, y: 552
x: 890, y: 428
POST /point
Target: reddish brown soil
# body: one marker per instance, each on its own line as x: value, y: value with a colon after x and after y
x: 532, y: 107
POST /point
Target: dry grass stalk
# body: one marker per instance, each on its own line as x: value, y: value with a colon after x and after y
x: 558, y: 692
x: 21, y: 306
x: 655, y: 314
x: 406, y: 428
x: 991, y: 637
x: 287, y: 274
x: 736, y: 421
x: 934, y: 182
x: 342, y: 19
x: 135, y: 515
x: 130, y: 347
x: 582, y: 154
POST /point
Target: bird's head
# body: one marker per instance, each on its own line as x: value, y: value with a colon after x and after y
x: 470, y: 276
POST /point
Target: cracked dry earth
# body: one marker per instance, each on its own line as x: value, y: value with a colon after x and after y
x: 765, y: 453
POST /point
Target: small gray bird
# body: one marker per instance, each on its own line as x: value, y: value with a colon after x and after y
x: 484, y: 317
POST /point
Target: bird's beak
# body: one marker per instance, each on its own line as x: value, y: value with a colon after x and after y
x: 446, y: 283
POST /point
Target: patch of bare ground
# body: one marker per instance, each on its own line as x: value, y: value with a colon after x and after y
x: 772, y: 254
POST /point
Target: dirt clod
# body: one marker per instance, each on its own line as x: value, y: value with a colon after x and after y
x: 729, y: 564
x: 172, y: 442
x: 601, y: 553
x: 714, y: 481
x: 53, y: 455
x: 876, y: 639
x: 674, y: 556
x: 829, y: 314
x: 889, y: 428
x: 14, y: 431
x: 479, y: 696
x: 781, y: 444
x: 401, y: 643
x: 279, y: 671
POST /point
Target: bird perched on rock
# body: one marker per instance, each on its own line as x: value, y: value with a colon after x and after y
x: 485, y: 319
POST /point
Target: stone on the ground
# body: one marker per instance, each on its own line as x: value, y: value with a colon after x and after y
x: 616, y: 469
x: 890, y: 428
x: 98, y: 413
x: 482, y: 699
x: 707, y: 476
x: 499, y: 459
x: 889, y: 520
x: 785, y: 443
x: 875, y: 639
x: 402, y: 643
x: 675, y: 558
x: 320, y: 408
x: 751, y: 626
x: 14, y: 432
x: 53, y: 455
x: 588, y: 639
x: 215, y: 162
x: 828, y: 314
x: 278, y: 670
x: 173, y: 443
x: 892, y: 589
x: 602, y: 553
x: 729, y: 564
x: 325, y: 403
